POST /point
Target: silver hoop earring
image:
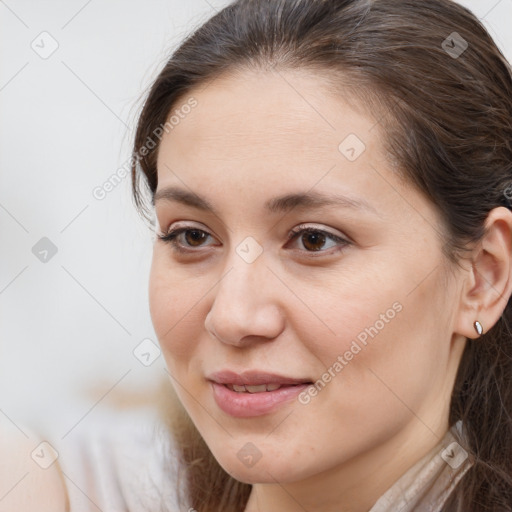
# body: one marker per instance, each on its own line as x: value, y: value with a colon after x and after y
x: 478, y: 328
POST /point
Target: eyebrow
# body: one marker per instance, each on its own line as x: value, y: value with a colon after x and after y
x: 280, y: 204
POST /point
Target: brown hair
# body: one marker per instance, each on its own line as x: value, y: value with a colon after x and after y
x: 446, y: 112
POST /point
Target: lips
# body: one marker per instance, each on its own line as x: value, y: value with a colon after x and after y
x: 254, y: 393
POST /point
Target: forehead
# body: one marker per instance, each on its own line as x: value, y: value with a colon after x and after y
x: 285, y: 115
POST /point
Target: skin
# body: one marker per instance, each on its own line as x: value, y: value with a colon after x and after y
x: 24, y: 485
x: 256, y: 136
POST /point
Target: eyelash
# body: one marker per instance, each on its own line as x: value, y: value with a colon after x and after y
x: 171, y: 237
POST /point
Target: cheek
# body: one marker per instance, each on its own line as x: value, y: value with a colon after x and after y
x: 373, y: 336
x: 174, y: 307
x: 346, y: 312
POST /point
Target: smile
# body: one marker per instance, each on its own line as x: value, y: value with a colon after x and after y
x: 253, y: 389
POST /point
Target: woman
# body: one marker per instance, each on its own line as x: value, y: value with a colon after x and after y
x: 331, y: 188
x: 332, y: 271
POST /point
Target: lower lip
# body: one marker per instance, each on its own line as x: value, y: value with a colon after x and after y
x: 247, y: 405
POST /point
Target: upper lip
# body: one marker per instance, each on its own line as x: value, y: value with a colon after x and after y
x: 253, y: 378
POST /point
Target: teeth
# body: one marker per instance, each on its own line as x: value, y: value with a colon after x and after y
x: 256, y: 389
x: 253, y: 389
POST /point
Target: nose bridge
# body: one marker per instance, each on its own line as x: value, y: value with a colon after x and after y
x: 236, y: 288
x: 244, y: 302
x: 246, y: 266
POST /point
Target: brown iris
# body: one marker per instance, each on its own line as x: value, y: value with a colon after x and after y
x: 313, y: 241
x: 194, y: 237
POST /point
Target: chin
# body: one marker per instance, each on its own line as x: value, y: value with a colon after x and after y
x: 264, y: 470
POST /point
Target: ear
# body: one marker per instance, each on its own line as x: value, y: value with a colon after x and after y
x: 488, y: 284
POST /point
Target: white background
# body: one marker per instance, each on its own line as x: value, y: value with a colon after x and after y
x: 68, y: 327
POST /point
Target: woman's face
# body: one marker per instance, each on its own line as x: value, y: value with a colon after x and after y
x: 358, y: 302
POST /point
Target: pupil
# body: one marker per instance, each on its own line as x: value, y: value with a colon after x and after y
x: 317, y: 241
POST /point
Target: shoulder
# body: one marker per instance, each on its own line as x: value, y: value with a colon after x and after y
x: 30, y: 477
x: 121, y: 461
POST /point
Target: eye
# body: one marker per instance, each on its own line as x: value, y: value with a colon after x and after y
x: 312, y: 240
x: 185, y: 239
x: 316, y: 240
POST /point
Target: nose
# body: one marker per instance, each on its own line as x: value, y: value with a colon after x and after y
x: 245, y: 307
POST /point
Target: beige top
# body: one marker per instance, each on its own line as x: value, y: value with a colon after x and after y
x: 426, y: 486
x: 127, y: 466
